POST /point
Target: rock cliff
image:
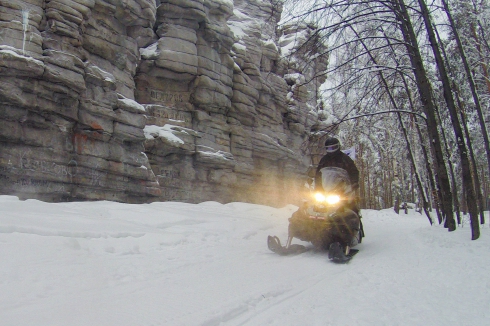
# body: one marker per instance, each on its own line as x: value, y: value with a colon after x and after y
x: 149, y: 100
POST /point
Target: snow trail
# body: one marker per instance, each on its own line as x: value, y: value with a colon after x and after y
x: 104, y: 263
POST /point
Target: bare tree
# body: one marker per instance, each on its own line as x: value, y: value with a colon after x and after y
x: 468, y: 183
x: 380, y: 63
x: 425, y: 91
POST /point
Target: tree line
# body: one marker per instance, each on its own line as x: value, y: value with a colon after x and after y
x: 408, y: 86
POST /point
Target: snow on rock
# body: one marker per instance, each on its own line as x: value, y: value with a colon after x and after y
x: 131, y: 105
x: 12, y: 58
x: 166, y: 132
x: 150, y: 52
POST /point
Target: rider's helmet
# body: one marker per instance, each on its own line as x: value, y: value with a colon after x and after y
x: 332, y: 145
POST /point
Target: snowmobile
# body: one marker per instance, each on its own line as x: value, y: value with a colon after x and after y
x: 325, y: 220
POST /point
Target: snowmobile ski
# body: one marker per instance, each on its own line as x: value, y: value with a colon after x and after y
x: 275, y: 245
x: 337, y: 255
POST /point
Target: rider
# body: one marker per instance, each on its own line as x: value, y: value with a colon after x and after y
x: 336, y: 158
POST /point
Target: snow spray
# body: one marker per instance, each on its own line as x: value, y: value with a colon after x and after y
x: 25, y: 25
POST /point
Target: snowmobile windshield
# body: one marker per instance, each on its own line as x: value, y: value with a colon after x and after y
x: 336, y: 180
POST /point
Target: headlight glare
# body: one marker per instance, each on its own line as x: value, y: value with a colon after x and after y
x: 319, y: 197
x: 332, y: 199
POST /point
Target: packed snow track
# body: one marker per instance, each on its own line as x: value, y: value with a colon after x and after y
x: 105, y: 263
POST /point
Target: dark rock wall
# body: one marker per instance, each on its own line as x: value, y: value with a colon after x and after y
x: 144, y: 100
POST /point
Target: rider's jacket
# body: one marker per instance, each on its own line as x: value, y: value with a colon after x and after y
x: 338, y: 160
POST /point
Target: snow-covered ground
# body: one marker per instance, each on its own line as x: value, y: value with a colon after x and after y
x: 105, y: 263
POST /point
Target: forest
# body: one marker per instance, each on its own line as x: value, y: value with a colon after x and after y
x: 408, y: 87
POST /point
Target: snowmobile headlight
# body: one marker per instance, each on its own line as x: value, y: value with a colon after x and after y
x: 332, y: 199
x: 319, y: 197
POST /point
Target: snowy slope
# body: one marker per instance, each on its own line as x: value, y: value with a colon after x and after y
x: 105, y: 263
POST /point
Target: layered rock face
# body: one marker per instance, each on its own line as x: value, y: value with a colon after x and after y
x: 70, y: 128
x: 144, y: 100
